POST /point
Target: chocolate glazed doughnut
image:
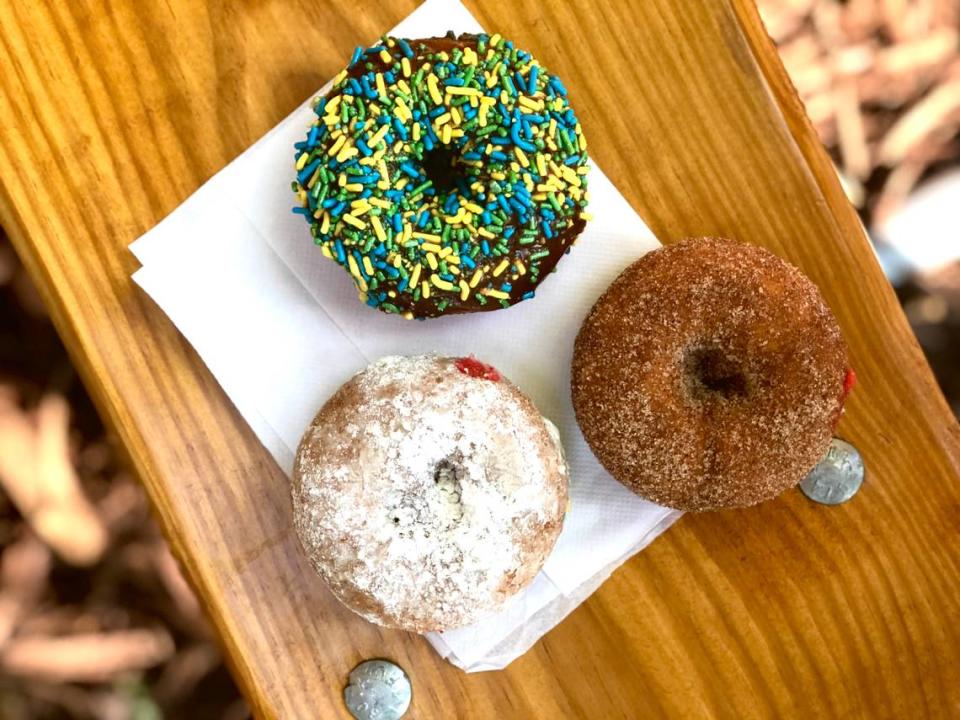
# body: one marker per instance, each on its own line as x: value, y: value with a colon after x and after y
x: 445, y: 175
x: 709, y: 375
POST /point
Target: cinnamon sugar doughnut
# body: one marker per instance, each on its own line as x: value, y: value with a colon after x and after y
x: 709, y: 375
x: 428, y: 491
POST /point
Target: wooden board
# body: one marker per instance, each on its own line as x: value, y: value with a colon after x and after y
x: 111, y: 114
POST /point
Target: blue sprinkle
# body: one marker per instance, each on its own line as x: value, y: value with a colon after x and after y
x: 301, y: 211
x: 366, y: 193
x: 467, y: 262
x: 506, y: 287
x: 341, y: 255
x: 547, y: 230
x: 423, y: 219
x: 535, y: 119
x: 389, y: 138
x: 572, y: 160
x: 366, y: 179
x: 485, y: 246
x: 558, y: 86
x: 405, y: 48
x: 391, y: 271
x: 397, y: 223
x: 457, y: 81
x: 401, y: 130
x: 368, y: 91
x: 427, y: 142
x: 486, y: 218
x: 519, y: 82
x: 502, y: 201
x: 394, y: 195
x: 472, y: 156
x: 528, y: 295
x: 357, y: 54
x: 508, y: 233
x: 379, y: 264
x: 329, y: 203
x: 499, y: 156
x: 417, y: 114
x: 447, y: 276
x: 519, y: 141
x: 339, y: 208
x: 571, y: 118
x: 321, y: 107
x: 380, y: 250
x: 532, y: 79
x: 308, y: 171
x: 390, y: 77
x: 364, y: 148
x: 516, y: 204
x: 312, y: 136
x: 402, y: 285
x: 547, y: 213
x: 410, y: 170
x: 302, y: 145
x: 498, y: 140
x: 355, y: 86
x: 436, y: 112
x: 372, y: 301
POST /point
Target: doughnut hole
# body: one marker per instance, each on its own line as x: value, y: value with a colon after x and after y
x: 441, y: 165
x: 710, y: 373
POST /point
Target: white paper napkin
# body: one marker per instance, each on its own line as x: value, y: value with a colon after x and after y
x: 281, y: 328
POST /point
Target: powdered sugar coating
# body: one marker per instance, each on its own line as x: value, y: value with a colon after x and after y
x: 710, y: 374
x: 426, y: 497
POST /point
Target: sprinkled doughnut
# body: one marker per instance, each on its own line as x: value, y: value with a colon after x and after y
x: 446, y: 175
x: 427, y: 491
x: 710, y: 374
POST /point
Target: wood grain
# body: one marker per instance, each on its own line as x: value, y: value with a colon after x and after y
x: 112, y: 113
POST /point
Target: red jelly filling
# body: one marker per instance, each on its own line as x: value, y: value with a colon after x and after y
x: 849, y: 382
x: 474, y: 368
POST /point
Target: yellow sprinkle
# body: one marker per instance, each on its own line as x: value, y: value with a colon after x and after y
x: 469, y: 56
x: 583, y: 143
x: 405, y: 67
x: 541, y: 165
x: 340, y: 76
x: 464, y: 290
x: 353, y: 187
x: 415, y: 275
x: 367, y: 160
x: 404, y: 88
x: 504, y: 97
x: 379, y: 202
x: 326, y: 251
x: 378, y: 135
x: 483, y: 232
x: 498, y: 271
x: 530, y: 104
x: 408, y: 315
x: 452, y: 269
x: 335, y: 148
x: 473, y: 101
x: 398, y: 147
x: 385, y: 56
x: 457, y: 117
x: 477, y: 277
x: 434, y: 89
x: 482, y: 115
x: 381, y: 88
x: 498, y: 176
x: 342, y: 179
x: 384, y: 175
x: 441, y: 283
x: 539, y: 196
x: 495, y: 293
x: 515, y: 167
x: 416, y: 132
x: 455, y: 219
x: 495, y: 40
x: 358, y: 211
x: 351, y: 220
x: 459, y: 90
x: 521, y: 156
x: 585, y: 215
x: 347, y: 153
x: 355, y: 271
x: 521, y: 269
x: 430, y: 247
x: 471, y: 229
x: 474, y: 208
x: 570, y: 176
x: 402, y: 183
x: 402, y: 111
x: 367, y: 265
x: 442, y: 120
x: 302, y: 160
x: 425, y: 290
x: 445, y: 251
x: 447, y: 135
x: 325, y: 225
x: 453, y: 260
x: 378, y: 228
x: 407, y: 233
x: 491, y: 78
x: 429, y: 237
x: 383, y: 184
x: 432, y: 261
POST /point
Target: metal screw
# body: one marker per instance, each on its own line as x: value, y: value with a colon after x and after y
x: 377, y: 690
x: 837, y: 477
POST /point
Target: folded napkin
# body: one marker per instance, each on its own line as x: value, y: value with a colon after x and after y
x: 281, y: 328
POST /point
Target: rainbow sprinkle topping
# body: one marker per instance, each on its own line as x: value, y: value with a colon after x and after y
x: 447, y: 175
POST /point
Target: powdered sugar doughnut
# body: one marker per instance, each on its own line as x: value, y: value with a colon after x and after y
x: 427, y: 491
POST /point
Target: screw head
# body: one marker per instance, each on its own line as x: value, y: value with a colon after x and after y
x: 837, y: 477
x: 378, y: 690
